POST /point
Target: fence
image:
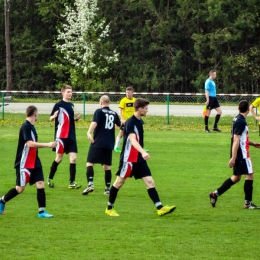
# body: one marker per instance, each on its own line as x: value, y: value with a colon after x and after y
x: 162, y: 104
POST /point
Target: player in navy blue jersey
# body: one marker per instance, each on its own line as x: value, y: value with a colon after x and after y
x: 28, y: 165
x: 65, y: 136
x: 133, y: 161
x: 240, y: 159
x: 102, y: 143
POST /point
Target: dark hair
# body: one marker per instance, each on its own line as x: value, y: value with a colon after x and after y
x: 130, y: 88
x: 65, y: 87
x: 211, y: 72
x: 243, y: 106
x: 30, y: 111
x: 140, y: 102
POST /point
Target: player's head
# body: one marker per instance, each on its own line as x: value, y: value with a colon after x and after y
x: 104, y: 101
x: 129, y: 92
x: 66, y: 92
x: 32, y: 111
x: 212, y: 74
x: 243, y: 106
x: 141, y: 106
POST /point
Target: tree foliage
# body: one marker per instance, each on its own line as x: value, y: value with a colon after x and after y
x: 163, y: 45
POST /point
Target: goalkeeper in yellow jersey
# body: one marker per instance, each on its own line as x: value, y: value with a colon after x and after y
x: 255, y: 104
x: 126, y: 110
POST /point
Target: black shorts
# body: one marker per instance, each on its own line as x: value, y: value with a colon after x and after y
x: 24, y: 176
x: 243, y: 166
x: 66, y: 145
x: 213, y: 103
x: 99, y: 155
x: 128, y: 169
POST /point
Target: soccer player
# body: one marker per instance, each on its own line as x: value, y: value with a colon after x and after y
x: 65, y: 136
x: 28, y: 165
x: 102, y: 143
x: 240, y: 159
x: 211, y: 101
x: 133, y: 161
x: 125, y: 110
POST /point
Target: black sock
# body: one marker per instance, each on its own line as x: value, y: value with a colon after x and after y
x: 108, y: 177
x: 216, y: 120
x: 248, y: 189
x: 112, y: 197
x: 225, y: 186
x: 41, y: 198
x: 153, y: 194
x: 10, y: 195
x: 90, y: 175
x: 206, y: 120
x: 72, y: 172
x: 53, y: 170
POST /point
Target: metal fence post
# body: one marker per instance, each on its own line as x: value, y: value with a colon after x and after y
x: 3, y: 106
x: 168, y: 108
x: 84, y: 106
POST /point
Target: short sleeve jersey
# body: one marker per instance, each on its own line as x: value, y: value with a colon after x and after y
x: 104, y: 133
x: 127, y: 106
x: 239, y: 127
x: 129, y: 153
x: 27, y: 157
x: 64, y: 122
x: 211, y: 87
x: 256, y: 103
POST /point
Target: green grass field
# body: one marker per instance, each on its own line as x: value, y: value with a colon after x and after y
x: 186, y: 164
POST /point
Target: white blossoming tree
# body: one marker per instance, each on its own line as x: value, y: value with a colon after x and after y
x: 82, y: 41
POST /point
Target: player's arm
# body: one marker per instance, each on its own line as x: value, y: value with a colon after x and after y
x: 120, y: 112
x: 52, y: 117
x: 33, y: 144
x: 77, y: 118
x: 252, y: 110
x: 207, y: 97
x: 138, y: 147
x: 92, y: 127
x: 256, y: 145
x: 235, y: 146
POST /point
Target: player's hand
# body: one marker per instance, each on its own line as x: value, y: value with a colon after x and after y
x: 145, y: 155
x: 90, y: 138
x: 56, y: 114
x: 257, y: 145
x: 78, y: 117
x: 123, y: 121
x: 52, y: 144
x: 206, y: 103
x: 231, y: 163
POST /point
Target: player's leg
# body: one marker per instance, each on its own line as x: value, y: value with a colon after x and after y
x: 73, y: 184
x: 154, y: 196
x: 227, y: 184
x: 53, y: 169
x: 206, y: 120
x: 119, y: 182
x: 142, y: 171
x: 118, y: 139
x: 22, y: 178
x: 108, y: 178
x: 41, y: 197
x: 248, y: 185
x: 218, y: 115
x: 90, y: 178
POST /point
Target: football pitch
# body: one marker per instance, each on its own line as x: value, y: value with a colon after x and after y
x: 186, y: 164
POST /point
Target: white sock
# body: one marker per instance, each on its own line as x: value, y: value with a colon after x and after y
x: 117, y: 144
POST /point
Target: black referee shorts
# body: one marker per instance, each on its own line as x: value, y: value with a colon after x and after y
x: 99, y: 155
x: 213, y: 103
